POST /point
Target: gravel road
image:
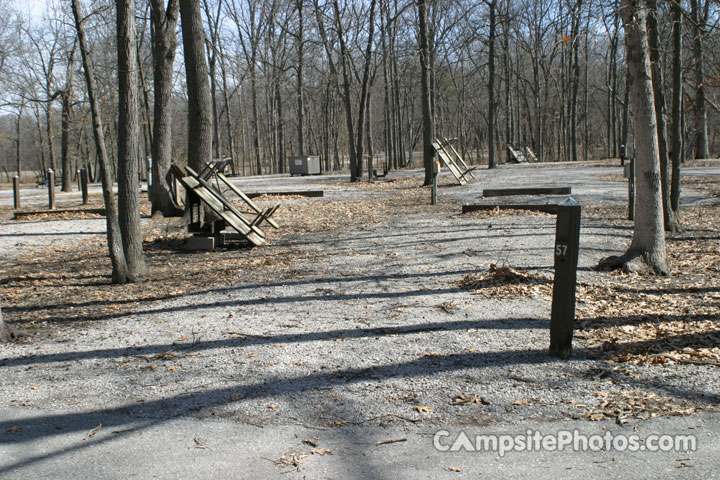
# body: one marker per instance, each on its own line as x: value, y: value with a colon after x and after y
x: 371, y: 337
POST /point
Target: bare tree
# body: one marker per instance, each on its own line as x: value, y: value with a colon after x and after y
x: 115, y: 246
x: 426, y: 94
x: 646, y: 253
x: 198, y: 85
x: 128, y: 135
x: 699, y: 15
x: 164, y: 42
x: 492, y: 161
x: 676, y: 125
x: 67, y: 95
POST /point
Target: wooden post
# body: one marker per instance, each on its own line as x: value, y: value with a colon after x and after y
x: 51, y: 188
x: 435, y: 173
x: 84, y: 185
x: 567, y: 247
x: 16, y: 191
x: 629, y: 173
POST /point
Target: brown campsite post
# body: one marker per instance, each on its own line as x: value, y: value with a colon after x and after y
x: 567, y: 247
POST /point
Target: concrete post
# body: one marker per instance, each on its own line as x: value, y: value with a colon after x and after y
x: 567, y: 248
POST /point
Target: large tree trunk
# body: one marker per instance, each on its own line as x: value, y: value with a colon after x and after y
x: 428, y: 121
x: 646, y: 253
x: 115, y: 247
x: 164, y: 42
x: 198, y: 86
x: 128, y: 135
x: 669, y: 216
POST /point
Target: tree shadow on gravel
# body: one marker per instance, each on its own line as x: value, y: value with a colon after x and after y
x: 249, y: 340
x: 133, y: 416
x: 323, y: 295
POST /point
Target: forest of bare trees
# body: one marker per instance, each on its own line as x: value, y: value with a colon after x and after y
x: 344, y: 80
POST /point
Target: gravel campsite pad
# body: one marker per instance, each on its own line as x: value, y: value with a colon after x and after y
x: 369, y: 306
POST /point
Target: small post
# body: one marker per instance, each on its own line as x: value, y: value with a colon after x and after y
x: 567, y: 247
x: 435, y: 173
x: 16, y: 191
x: 84, y: 185
x: 629, y: 173
x: 77, y: 176
x: 51, y: 188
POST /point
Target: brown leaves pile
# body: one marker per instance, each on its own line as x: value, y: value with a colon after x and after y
x: 506, y: 283
x: 661, y: 320
x: 636, y: 404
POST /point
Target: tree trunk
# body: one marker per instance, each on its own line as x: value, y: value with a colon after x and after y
x: 18, y: 143
x: 364, y: 94
x: 198, y: 86
x: 646, y: 253
x: 428, y: 121
x: 669, y: 217
x: 700, y: 110
x: 128, y: 135
x: 575, y: 81
x: 115, y: 247
x: 65, y: 119
x: 299, y: 87
x: 211, y: 48
x: 492, y: 161
x: 676, y: 132
x: 163, y: 45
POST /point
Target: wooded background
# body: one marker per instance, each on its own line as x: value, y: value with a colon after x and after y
x: 302, y: 77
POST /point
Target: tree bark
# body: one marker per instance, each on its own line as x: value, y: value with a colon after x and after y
x: 18, y: 142
x: 115, y: 247
x: 364, y: 94
x: 700, y: 111
x: 646, y: 253
x: 300, y: 89
x: 198, y: 86
x: 676, y: 132
x: 492, y: 161
x: 164, y: 42
x: 65, y: 120
x: 428, y: 120
x: 669, y: 216
x: 128, y: 135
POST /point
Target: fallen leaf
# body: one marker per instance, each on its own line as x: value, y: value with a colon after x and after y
x: 271, y: 406
x: 94, y: 431
x: 454, y: 469
x: 423, y: 409
x: 321, y: 451
x: 14, y: 429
